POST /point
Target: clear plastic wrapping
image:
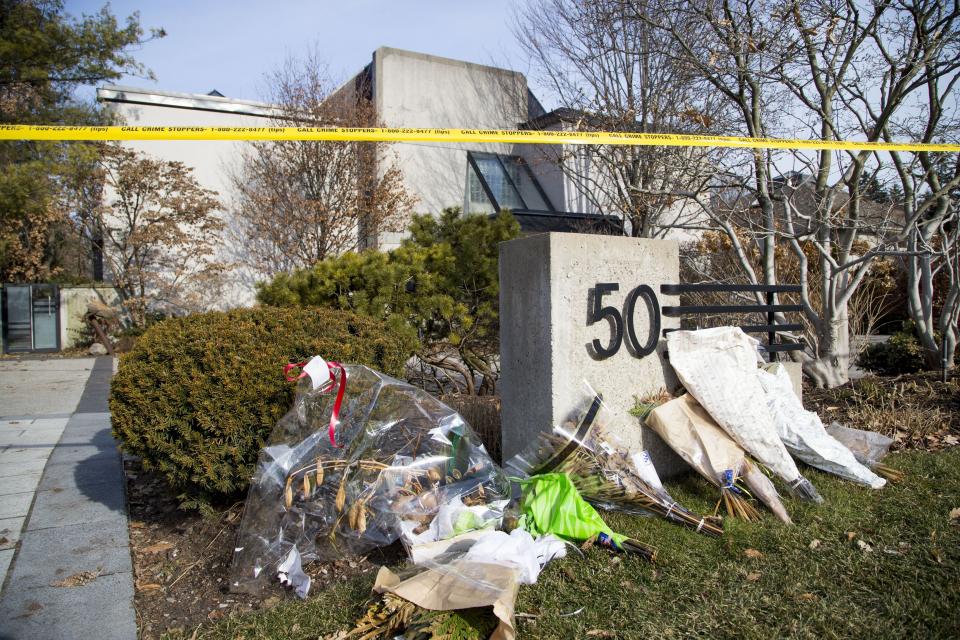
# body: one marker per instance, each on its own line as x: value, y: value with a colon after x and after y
x: 868, y: 447
x: 603, y: 470
x: 405, y: 466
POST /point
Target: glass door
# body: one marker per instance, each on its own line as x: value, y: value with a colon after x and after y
x: 46, y: 317
x: 31, y: 318
x: 17, y: 334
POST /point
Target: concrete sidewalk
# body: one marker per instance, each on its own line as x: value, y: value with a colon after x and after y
x: 71, y: 576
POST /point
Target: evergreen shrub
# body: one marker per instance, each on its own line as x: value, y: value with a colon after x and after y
x: 197, y: 396
x: 902, y: 353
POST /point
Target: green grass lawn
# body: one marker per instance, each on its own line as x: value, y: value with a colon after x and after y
x: 907, y: 585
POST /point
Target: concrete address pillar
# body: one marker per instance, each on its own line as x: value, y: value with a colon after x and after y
x: 548, y: 291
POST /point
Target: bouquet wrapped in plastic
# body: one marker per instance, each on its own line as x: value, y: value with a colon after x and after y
x: 719, y: 368
x: 804, y: 436
x: 868, y: 447
x: 357, y: 465
x: 690, y: 431
x: 604, y: 472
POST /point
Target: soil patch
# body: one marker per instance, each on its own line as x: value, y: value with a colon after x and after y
x: 181, y: 561
x: 918, y: 411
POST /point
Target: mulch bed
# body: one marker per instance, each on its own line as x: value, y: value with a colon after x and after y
x: 181, y: 561
x: 918, y: 411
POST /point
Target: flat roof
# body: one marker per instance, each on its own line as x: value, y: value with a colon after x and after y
x: 196, y: 101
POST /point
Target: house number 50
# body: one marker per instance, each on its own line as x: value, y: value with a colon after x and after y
x: 598, y: 312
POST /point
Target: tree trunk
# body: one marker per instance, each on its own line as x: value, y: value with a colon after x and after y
x: 831, y: 367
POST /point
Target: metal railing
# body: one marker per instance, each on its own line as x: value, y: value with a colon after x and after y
x: 772, y: 328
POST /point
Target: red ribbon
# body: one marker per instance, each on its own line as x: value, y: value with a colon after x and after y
x: 335, y: 414
x: 290, y: 367
x: 338, y: 401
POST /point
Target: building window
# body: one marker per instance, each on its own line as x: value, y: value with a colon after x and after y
x: 506, y: 180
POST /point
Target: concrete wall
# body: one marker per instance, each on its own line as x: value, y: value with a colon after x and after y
x: 73, y: 305
x: 546, y: 354
x: 419, y: 90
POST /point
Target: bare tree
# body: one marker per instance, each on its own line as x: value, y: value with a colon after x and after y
x: 932, y: 227
x: 298, y: 202
x: 828, y: 69
x: 612, y: 71
x: 159, y: 231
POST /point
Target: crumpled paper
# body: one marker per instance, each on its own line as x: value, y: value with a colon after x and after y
x: 520, y: 549
x: 461, y: 584
x: 290, y: 572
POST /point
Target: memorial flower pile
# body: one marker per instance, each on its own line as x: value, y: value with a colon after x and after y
x: 605, y: 472
x: 689, y: 430
x: 358, y: 464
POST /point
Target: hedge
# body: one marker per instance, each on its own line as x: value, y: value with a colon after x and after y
x: 197, y: 396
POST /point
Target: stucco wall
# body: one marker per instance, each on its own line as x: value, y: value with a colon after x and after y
x: 210, y: 160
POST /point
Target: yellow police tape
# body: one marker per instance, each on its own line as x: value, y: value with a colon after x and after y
x: 44, y: 132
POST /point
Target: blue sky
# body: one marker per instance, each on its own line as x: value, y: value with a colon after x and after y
x: 228, y: 46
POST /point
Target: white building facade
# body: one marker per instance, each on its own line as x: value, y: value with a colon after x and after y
x: 407, y: 89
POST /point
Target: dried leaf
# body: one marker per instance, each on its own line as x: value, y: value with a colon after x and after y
x: 863, y: 546
x: 319, y: 472
x: 159, y: 547
x: 851, y: 535
x: 288, y: 495
x: 753, y: 554
x: 151, y: 586
x: 78, y: 579
x: 937, y: 555
x: 814, y: 544
x: 955, y: 516
x: 306, y: 486
x: 753, y: 576
x: 362, y: 519
x: 807, y: 597
x: 601, y: 633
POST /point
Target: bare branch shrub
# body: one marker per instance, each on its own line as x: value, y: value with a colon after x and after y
x: 298, y: 202
x: 160, y: 231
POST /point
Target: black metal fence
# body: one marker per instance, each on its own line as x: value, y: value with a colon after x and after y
x: 770, y: 309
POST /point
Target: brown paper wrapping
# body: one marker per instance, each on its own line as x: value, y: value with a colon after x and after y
x: 460, y: 584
